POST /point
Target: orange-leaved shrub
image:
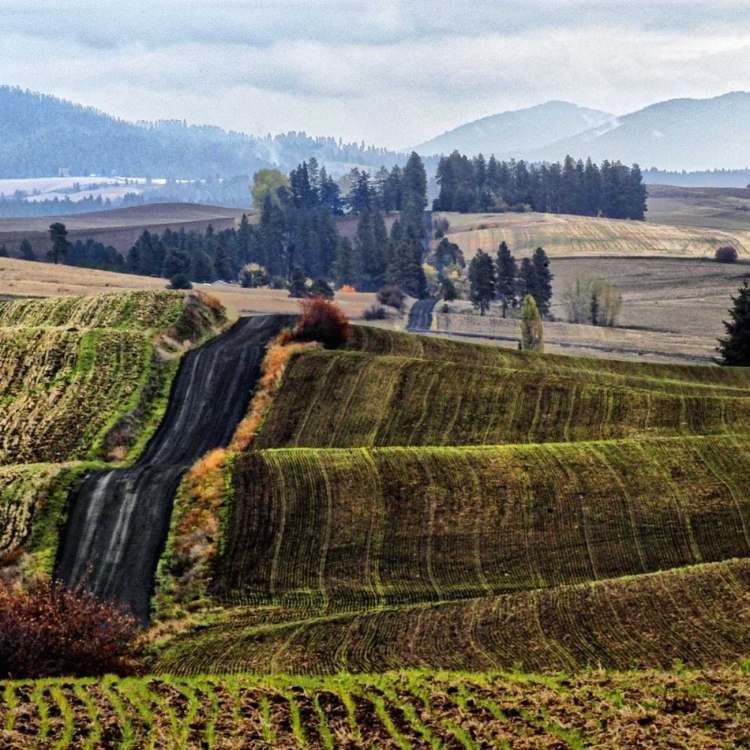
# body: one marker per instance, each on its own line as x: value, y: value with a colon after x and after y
x: 348, y: 289
x: 324, y: 321
x: 48, y: 630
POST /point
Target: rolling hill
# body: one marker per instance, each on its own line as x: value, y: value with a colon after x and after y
x: 41, y: 134
x: 401, y: 503
x: 518, y: 131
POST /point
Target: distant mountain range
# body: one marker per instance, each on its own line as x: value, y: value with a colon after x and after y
x: 42, y: 135
x: 513, y: 133
x: 679, y: 134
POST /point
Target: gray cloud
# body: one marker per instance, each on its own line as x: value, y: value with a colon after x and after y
x: 387, y: 72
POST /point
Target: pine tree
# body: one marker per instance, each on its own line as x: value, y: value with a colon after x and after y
x: 507, y: 272
x: 532, y: 328
x: 527, y: 281
x: 27, y: 252
x: 58, y: 234
x: 371, y: 255
x: 4, y: 252
x: 345, y: 268
x: 297, y: 283
x: 405, y: 268
x: 320, y: 288
x: 735, y: 347
x: 543, y: 291
x: 448, y: 290
x: 482, y: 279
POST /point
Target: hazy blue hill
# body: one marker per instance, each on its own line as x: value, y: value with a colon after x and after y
x: 690, y: 134
x: 40, y: 134
x: 509, y: 133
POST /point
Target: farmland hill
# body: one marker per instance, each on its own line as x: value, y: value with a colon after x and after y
x: 119, y: 227
x: 566, y: 235
x: 41, y: 134
x: 84, y: 381
x: 592, y: 487
x: 518, y: 131
x: 400, y: 503
x: 679, y: 134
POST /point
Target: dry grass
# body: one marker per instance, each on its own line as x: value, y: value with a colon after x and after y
x: 716, y: 208
x: 19, y: 278
x: 583, y: 235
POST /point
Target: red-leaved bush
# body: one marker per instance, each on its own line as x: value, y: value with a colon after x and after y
x: 324, y: 321
x: 48, y: 630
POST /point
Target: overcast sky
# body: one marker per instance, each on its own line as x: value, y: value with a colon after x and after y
x: 387, y: 72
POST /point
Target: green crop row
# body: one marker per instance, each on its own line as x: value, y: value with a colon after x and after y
x: 381, y: 341
x: 697, y: 615
x: 367, y: 527
x: 33, y: 507
x: 132, y: 310
x: 62, y: 390
x: 341, y: 399
x: 398, y: 710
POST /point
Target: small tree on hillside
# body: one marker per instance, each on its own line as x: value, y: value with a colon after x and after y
x: 482, y: 279
x: 58, y: 234
x: 27, y: 252
x: 507, y: 272
x: 726, y: 254
x: 735, y: 347
x: 532, y: 328
x: 297, y: 283
x: 543, y: 291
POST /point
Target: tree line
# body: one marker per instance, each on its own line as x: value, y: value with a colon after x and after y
x: 296, y: 237
x: 611, y: 190
x: 502, y: 279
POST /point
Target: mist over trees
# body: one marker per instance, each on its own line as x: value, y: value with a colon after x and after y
x: 611, y: 190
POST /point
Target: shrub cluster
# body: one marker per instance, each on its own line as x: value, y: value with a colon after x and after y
x: 375, y: 312
x: 726, y: 254
x: 324, y: 321
x: 49, y: 630
x: 392, y: 296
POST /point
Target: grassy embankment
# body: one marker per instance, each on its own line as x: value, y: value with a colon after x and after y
x: 83, y: 380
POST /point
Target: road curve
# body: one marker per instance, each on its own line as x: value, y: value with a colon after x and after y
x: 119, y: 518
x: 420, y: 315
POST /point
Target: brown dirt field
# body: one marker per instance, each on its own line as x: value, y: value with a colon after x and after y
x: 120, y: 227
x: 20, y: 278
x: 674, y: 307
x: 715, y: 208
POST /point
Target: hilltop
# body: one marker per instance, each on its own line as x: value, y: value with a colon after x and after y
x: 517, y: 131
x: 41, y: 134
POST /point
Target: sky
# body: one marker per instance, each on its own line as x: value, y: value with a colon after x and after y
x: 389, y: 72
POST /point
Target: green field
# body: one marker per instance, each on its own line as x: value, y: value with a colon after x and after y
x: 82, y: 380
x: 408, y: 503
x: 708, y: 709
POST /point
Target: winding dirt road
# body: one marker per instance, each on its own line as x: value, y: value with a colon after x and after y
x: 119, y: 518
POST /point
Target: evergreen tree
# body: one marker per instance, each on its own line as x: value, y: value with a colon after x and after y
x: 345, y: 268
x: 371, y: 255
x: 532, y: 328
x: 4, y: 252
x: 27, y: 252
x: 272, y: 232
x: 448, y: 253
x: 297, y: 283
x: 527, y: 281
x: 507, y: 271
x: 58, y: 235
x: 202, y: 268
x: 448, y: 290
x: 405, y: 268
x: 543, y: 281
x: 735, y: 347
x: 482, y: 279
